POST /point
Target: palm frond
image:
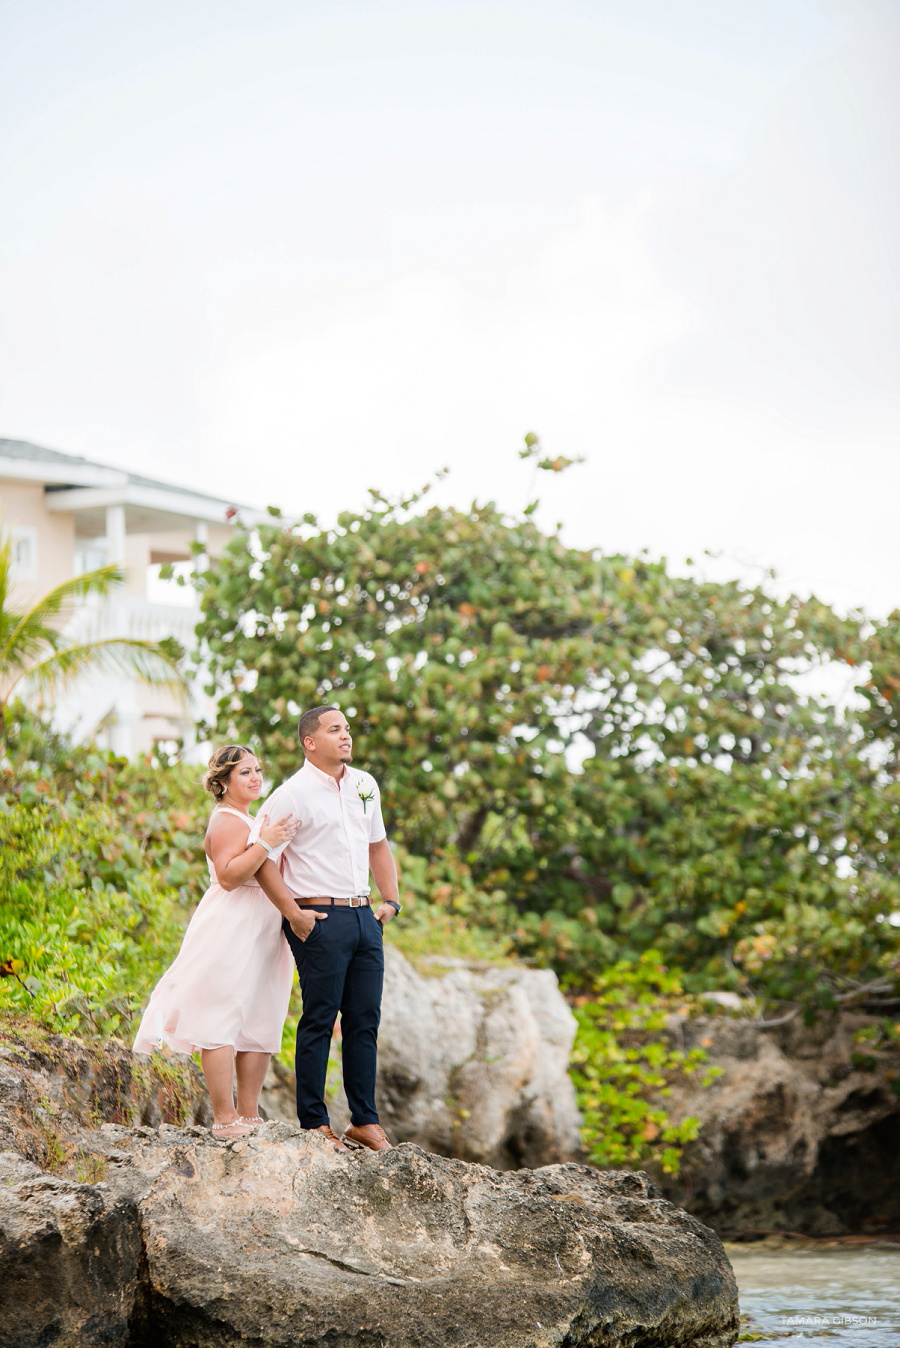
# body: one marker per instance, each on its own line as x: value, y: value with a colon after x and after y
x: 119, y: 655
x: 5, y: 568
x: 33, y: 627
x: 31, y: 644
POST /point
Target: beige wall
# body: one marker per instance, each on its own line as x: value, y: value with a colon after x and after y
x: 162, y: 716
x: 22, y: 504
x: 219, y: 535
x: 172, y: 545
x: 175, y: 545
x: 144, y: 550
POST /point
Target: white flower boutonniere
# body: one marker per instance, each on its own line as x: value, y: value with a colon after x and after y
x: 365, y: 796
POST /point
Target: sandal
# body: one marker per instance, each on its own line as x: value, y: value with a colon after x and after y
x: 231, y: 1137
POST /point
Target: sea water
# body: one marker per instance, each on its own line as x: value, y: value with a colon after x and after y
x: 832, y: 1296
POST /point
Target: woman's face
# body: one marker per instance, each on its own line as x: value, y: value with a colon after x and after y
x: 244, y: 782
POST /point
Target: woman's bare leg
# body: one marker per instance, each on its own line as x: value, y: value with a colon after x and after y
x: 251, y: 1071
x: 218, y: 1068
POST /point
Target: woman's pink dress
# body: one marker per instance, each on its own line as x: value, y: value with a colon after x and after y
x: 231, y: 979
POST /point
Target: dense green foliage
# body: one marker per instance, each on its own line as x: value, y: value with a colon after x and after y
x: 623, y: 1055
x: 100, y: 866
x: 98, y: 872
x: 585, y: 761
x: 589, y: 755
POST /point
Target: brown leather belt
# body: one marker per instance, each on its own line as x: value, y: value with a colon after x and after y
x: 358, y: 901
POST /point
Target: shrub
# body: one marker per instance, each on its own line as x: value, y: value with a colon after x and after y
x: 86, y: 924
x: 623, y: 1065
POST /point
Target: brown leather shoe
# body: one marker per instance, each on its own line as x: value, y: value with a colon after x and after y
x: 369, y: 1135
x: 327, y: 1131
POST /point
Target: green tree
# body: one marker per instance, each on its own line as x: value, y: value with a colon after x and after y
x: 879, y: 655
x: 35, y: 655
x: 617, y: 757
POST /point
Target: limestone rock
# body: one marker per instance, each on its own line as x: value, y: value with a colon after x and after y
x: 277, y: 1240
x: 472, y: 1063
x: 70, y: 1256
x: 796, y: 1135
x: 52, y: 1087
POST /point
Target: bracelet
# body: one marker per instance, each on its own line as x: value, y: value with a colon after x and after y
x: 264, y: 844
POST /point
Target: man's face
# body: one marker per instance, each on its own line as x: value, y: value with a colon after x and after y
x: 331, y: 744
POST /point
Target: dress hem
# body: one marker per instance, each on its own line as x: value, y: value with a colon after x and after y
x: 187, y: 1050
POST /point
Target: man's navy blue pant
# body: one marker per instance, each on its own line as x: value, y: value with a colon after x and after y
x: 341, y: 968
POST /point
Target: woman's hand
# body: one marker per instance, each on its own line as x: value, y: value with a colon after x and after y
x: 282, y: 832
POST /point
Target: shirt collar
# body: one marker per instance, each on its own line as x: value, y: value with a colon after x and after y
x: 326, y: 778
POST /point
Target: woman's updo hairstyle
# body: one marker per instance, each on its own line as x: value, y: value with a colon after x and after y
x: 221, y: 765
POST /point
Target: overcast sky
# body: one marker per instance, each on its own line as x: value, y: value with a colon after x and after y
x: 284, y: 251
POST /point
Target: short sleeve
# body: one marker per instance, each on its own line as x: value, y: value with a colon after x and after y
x: 377, y: 830
x: 271, y: 809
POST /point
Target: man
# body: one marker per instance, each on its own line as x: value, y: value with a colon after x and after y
x: 336, y: 937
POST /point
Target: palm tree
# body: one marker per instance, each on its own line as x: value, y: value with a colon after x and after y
x: 35, y: 655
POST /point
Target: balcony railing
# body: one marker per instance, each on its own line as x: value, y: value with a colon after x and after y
x: 134, y: 620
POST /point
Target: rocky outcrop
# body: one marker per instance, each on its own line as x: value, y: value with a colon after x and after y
x: 472, y: 1062
x: 52, y: 1088
x: 129, y: 1235
x: 70, y: 1260
x: 801, y: 1132
x: 278, y: 1240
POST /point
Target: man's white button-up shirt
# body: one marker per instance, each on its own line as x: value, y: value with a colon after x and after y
x: 328, y: 856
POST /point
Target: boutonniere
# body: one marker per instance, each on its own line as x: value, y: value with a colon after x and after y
x: 365, y: 796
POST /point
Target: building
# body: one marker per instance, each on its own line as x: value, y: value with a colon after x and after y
x: 68, y: 515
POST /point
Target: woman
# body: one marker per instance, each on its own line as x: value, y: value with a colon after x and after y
x: 227, y: 992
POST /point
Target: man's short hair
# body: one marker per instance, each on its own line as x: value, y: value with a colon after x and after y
x: 309, y: 722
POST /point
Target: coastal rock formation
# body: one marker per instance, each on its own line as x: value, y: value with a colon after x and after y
x: 801, y: 1132
x: 70, y: 1260
x: 472, y: 1063
x: 53, y: 1088
x: 276, y: 1239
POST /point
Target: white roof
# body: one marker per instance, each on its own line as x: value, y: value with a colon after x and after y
x: 78, y: 485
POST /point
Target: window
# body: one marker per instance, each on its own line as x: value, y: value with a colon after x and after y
x: 24, y: 552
